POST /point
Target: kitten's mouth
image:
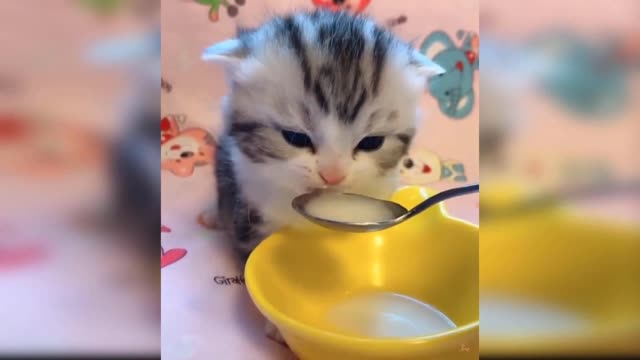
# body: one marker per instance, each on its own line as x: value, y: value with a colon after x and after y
x: 318, y: 188
x: 309, y: 189
x: 314, y: 188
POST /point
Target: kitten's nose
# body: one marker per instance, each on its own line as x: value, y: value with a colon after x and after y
x: 332, y: 177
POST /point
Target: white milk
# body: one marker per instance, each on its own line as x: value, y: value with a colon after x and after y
x: 345, y: 208
x: 505, y: 316
x: 386, y: 315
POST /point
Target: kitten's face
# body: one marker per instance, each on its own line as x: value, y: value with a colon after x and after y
x: 298, y: 144
x: 324, y: 101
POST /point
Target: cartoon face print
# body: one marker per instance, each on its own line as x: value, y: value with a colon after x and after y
x: 349, y: 5
x: 184, y: 150
x: 420, y: 167
x: 181, y: 147
x: 453, y: 89
x: 424, y: 167
x: 169, y: 128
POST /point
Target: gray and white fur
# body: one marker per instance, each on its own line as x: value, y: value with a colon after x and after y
x: 316, y: 99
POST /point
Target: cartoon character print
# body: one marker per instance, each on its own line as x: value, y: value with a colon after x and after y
x: 170, y: 256
x: 183, y: 150
x: 214, y: 7
x: 349, y: 5
x: 113, y: 7
x: 102, y: 7
x: 40, y: 147
x: 16, y: 251
x: 453, y: 89
x: 627, y: 50
x: 422, y: 167
x: 169, y: 127
x: 583, y: 78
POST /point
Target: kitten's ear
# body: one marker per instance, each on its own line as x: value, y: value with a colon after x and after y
x: 228, y: 52
x: 425, y: 66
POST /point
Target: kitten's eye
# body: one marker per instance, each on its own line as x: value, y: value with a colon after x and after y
x: 297, y: 139
x: 370, y: 143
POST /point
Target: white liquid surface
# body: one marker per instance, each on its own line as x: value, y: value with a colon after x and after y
x: 387, y: 315
x: 519, y: 317
x: 345, y: 208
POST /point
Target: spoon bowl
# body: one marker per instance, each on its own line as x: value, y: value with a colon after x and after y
x: 394, y: 213
x: 397, y: 211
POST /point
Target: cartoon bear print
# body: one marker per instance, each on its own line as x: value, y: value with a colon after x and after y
x: 453, y: 89
x: 34, y: 147
x: 184, y: 150
x: 349, y: 5
x: 422, y: 167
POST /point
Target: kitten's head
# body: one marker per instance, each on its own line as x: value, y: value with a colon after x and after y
x: 322, y: 98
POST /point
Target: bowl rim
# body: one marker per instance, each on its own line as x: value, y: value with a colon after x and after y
x: 277, y: 317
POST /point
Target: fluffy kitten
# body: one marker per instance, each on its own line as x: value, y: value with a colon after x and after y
x: 316, y: 99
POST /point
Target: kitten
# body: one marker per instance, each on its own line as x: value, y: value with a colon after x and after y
x: 317, y: 99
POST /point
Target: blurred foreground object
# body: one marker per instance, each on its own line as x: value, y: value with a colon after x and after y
x: 135, y: 154
x: 560, y: 110
x: 69, y: 288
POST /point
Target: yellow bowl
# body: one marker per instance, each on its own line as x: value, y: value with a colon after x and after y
x: 295, y: 277
x: 581, y: 267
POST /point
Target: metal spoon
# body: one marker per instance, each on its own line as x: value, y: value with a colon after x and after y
x: 399, y: 212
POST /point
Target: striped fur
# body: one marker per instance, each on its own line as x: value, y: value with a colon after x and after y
x: 350, y: 53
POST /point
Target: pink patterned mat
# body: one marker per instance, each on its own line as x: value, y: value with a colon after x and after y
x: 206, y: 311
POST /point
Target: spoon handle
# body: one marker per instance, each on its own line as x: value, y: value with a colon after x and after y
x: 441, y: 196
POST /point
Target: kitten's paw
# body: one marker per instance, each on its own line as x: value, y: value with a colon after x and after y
x: 209, y: 220
x: 273, y: 333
